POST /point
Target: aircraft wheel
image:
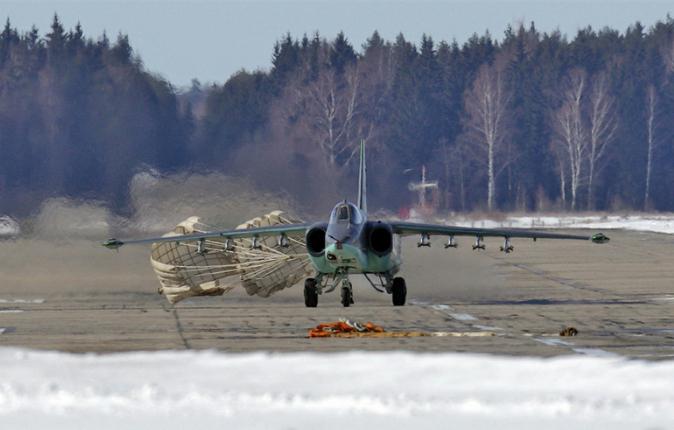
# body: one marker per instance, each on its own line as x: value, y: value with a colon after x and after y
x: 347, y: 297
x: 399, y: 291
x: 310, y: 293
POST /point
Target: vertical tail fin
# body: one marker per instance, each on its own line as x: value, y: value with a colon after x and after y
x: 362, y: 180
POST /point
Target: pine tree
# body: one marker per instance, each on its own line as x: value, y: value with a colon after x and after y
x: 341, y: 54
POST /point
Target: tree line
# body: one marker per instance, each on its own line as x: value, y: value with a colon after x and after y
x: 79, y: 117
x: 528, y: 121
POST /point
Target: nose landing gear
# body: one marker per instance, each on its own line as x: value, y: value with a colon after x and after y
x: 347, y: 293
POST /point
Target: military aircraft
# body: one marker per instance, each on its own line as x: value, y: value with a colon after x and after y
x: 349, y: 243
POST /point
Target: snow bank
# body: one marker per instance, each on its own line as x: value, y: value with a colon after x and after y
x: 166, y: 390
x: 8, y: 227
x: 654, y: 223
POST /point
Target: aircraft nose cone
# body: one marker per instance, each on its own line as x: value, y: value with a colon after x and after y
x: 344, y: 256
x: 331, y: 252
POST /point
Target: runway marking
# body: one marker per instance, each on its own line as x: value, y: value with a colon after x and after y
x: 463, y: 317
x: 459, y: 316
x: 487, y: 327
x: 489, y: 331
x: 592, y: 352
x: 10, y: 311
x: 463, y: 334
x: 456, y: 315
x: 396, y: 334
x: 596, y: 352
x: 552, y: 341
x: 36, y: 301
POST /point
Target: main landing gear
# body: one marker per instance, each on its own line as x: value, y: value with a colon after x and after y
x: 399, y: 291
x: 310, y: 293
x: 396, y: 287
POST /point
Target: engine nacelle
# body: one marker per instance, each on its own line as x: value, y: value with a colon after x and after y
x: 380, y: 238
x: 315, y: 239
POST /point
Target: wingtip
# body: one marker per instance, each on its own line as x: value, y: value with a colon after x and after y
x: 599, y: 238
x: 112, y: 243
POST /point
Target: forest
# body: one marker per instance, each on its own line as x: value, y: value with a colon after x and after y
x: 522, y: 122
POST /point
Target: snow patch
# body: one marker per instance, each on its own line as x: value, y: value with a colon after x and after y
x: 207, y: 389
x: 658, y: 223
x: 9, y: 227
x: 552, y: 341
x: 462, y: 317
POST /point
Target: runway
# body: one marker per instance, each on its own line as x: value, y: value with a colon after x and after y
x: 76, y: 296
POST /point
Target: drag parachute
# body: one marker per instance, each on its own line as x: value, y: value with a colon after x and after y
x: 213, y: 266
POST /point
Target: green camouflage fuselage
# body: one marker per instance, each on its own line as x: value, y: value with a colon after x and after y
x: 355, y: 260
x: 349, y: 243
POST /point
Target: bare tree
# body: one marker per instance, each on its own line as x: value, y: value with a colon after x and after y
x: 330, y: 107
x: 570, y: 135
x: 602, y: 130
x: 335, y: 111
x: 487, y: 108
x: 651, y: 105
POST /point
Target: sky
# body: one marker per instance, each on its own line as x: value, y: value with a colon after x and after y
x: 211, y: 40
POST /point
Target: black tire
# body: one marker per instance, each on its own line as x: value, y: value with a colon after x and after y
x: 399, y: 292
x: 310, y: 293
x: 347, y: 298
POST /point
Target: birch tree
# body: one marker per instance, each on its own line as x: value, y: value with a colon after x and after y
x: 335, y: 111
x: 570, y: 134
x: 330, y: 107
x: 651, y: 106
x: 602, y: 130
x: 487, y: 108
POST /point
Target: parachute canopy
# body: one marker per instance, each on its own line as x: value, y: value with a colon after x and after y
x: 214, y: 266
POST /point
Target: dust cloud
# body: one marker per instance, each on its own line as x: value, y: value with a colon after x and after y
x: 158, y: 203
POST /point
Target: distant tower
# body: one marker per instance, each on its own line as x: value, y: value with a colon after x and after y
x: 426, y: 205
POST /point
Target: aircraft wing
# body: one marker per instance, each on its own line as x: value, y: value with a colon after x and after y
x: 225, y: 234
x: 409, y: 228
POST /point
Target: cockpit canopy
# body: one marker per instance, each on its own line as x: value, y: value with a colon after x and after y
x: 346, y: 213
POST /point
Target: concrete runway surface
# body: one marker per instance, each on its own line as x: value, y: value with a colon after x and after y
x: 76, y: 296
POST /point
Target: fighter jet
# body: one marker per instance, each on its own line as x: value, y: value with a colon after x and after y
x: 349, y: 244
